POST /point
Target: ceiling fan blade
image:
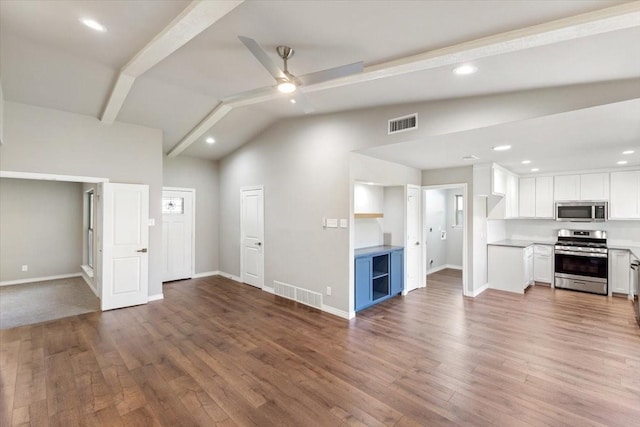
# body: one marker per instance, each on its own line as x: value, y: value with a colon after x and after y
x: 303, y: 102
x: 262, y: 57
x: 331, y: 73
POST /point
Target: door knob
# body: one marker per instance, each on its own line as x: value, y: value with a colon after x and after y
x: 143, y: 250
x: 259, y: 244
x: 417, y: 243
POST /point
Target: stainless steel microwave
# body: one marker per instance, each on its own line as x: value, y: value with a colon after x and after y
x: 581, y: 211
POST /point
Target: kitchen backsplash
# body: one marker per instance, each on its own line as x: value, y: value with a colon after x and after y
x: 618, y: 232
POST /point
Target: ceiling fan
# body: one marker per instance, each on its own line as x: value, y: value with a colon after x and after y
x: 288, y: 83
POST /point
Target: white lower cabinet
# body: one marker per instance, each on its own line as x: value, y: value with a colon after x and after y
x: 510, y: 268
x: 543, y: 263
x: 619, y: 271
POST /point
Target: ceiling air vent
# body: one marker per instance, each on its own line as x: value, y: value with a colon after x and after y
x: 404, y: 123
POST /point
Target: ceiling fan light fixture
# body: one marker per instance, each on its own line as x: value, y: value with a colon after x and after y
x: 287, y: 86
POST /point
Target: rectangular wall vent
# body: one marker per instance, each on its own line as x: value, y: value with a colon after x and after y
x: 300, y: 295
x: 402, y: 124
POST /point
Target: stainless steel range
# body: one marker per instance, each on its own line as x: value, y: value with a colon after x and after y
x: 582, y: 261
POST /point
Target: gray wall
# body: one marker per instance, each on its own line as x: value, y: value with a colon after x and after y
x: 393, y: 223
x: 201, y: 174
x: 41, y: 226
x: 436, y: 222
x: 454, y: 234
x: 56, y: 142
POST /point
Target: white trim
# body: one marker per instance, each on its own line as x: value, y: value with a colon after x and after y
x: 51, y: 177
x: 480, y: 290
x: 193, y: 20
x: 91, y: 286
x: 39, y: 279
x: 205, y: 274
x: 155, y: 297
x: 230, y: 276
x: 270, y: 290
x: 565, y: 29
x: 87, y: 270
x: 443, y: 267
x: 193, y: 223
x: 336, y: 312
x: 466, y: 273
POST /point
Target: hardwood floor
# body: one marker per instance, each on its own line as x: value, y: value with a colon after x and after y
x: 214, y: 352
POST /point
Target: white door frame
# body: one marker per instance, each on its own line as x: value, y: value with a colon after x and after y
x: 249, y: 188
x: 193, y: 223
x: 465, y: 244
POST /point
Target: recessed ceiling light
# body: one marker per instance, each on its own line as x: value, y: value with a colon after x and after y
x: 501, y: 147
x: 535, y: 170
x: 526, y: 162
x: 210, y: 140
x: 464, y: 70
x: 293, y: 101
x: 93, y: 24
x: 622, y: 162
x: 628, y: 152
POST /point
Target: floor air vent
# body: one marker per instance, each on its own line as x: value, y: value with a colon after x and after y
x: 404, y: 123
x: 300, y: 295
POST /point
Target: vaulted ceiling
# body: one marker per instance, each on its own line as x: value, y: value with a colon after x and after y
x: 409, y: 48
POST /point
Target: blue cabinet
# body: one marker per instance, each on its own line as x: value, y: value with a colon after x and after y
x: 379, y: 275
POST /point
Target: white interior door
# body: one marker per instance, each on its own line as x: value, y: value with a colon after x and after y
x: 413, y: 246
x: 252, y: 236
x: 177, y: 234
x: 125, y: 239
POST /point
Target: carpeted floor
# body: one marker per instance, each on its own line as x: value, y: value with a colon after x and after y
x: 42, y: 301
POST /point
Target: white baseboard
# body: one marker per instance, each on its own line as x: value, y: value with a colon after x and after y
x: 91, y: 286
x: 230, y: 276
x: 480, y: 290
x: 155, y: 297
x: 443, y: 267
x: 39, y: 279
x: 205, y: 274
x: 270, y: 290
x: 336, y: 312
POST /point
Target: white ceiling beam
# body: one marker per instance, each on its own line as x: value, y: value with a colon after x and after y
x: 196, y: 133
x: 601, y: 21
x: 194, y: 19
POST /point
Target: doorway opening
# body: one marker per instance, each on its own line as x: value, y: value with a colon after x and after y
x: 445, y: 221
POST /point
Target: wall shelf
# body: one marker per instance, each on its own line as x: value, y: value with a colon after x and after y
x: 368, y: 215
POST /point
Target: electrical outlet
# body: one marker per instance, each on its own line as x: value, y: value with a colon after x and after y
x: 25, y: 268
x: 328, y: 290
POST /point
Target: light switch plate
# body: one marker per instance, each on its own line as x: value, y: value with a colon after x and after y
x: 332, y: 223
x: 343, y: 223
x: 152, y: 222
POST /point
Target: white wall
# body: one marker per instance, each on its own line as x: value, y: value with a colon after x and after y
x: 41, y: 227
x: 393, y: 223
x: 42, y: 140
x: 201, y: 174
x: 368, y: 231
x: 454, y: 234
x: 618, y: 232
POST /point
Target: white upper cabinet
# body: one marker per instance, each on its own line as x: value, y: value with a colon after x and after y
x: 536, y: 197
x: 624, y: 202
x: 544, y: 197
x: 594, y: 186
x: 591, y: 186
x: 527, y: 198
x: 566, y: 187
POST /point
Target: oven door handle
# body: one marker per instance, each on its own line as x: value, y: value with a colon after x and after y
x: 583, y: 254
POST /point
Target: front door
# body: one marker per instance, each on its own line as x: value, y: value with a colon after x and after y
x: 413, y: 244
x: 252, y: 236
x: 125, y: 239
x: 177, y: 234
